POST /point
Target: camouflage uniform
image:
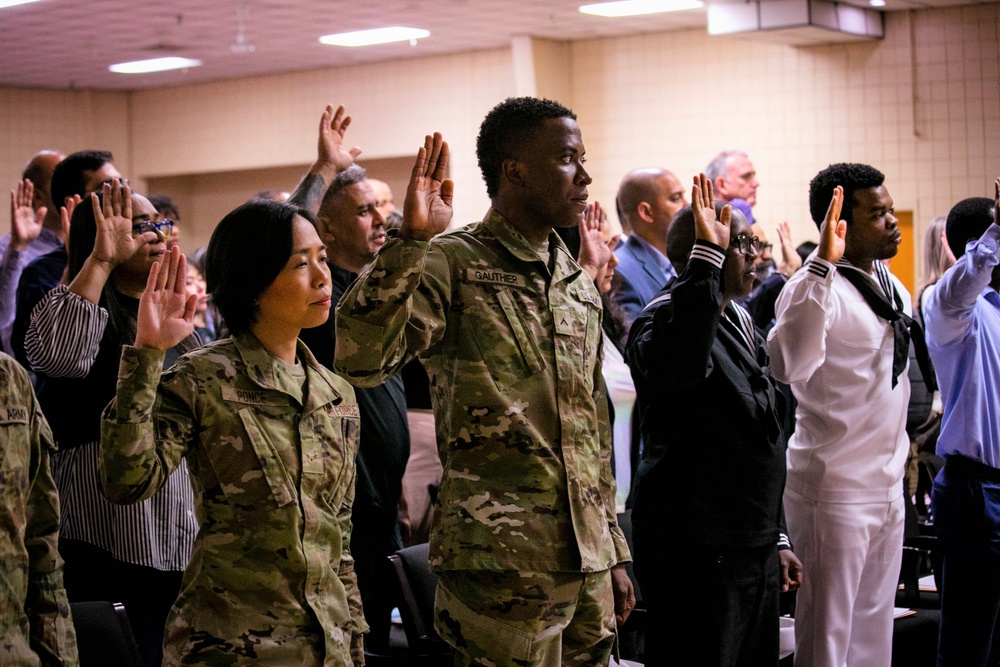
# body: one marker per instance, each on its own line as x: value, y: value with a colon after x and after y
x: 271, y: 579
x: 512, y: 348
x: 35, y: 623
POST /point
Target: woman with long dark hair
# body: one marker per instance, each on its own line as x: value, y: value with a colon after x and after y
x: 136, y: 554
x: 270, y: 436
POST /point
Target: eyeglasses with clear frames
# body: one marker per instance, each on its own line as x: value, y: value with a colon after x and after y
x: 743, y: 243
x: 165, y: 226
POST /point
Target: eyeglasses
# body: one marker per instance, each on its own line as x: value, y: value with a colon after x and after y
x: 164, y: 226
x: 743, y: 243
x: 111, y: 182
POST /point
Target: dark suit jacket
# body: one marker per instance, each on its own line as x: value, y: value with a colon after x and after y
x: 641, y: 276
x: 714, y: 451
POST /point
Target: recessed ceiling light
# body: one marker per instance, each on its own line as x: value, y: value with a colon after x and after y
x: 376, y: 36
x: 13, y: 3
x: 154, y: 65
x: 876, y: 3
x: 637, y: 7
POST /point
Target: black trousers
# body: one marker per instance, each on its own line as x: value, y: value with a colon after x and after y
x: 718, y: 604
x: 374, y: 537
x: 91, y: 573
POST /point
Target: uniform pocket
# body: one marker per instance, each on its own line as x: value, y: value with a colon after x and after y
x: 505, y: 342
x: 477, y: 634
x: 275, y: 474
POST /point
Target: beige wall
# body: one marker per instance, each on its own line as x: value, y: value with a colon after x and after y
x: 67, y: 121
x: 923, y: 105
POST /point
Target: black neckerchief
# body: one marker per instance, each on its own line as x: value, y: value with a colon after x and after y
x: 904, y: 327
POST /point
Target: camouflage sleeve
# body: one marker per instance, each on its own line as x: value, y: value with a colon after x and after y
x: 607, y: 478
x: 51, y: 633
x: 146, y: 428
x: 345, y: 572
x: 394, y: 311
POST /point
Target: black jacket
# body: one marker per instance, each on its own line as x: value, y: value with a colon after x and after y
x: 711, y: 415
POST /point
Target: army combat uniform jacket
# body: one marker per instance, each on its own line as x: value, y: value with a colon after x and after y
x: 512, y: 348
x: 271, y: 580
x: 35, y: 623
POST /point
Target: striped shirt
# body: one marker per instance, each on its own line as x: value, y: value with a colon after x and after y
x: 62, y: 340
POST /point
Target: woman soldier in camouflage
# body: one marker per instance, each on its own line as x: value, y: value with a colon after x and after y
x: 270, y: 437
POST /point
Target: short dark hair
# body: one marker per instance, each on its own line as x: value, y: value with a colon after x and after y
x: 165, y: 206
x: 269, y: 193
x: 849, y: 175
x: 345, y: 178
x: 805, y: 249
x: 505, y: 127
x: 681, y: 235
x: 967, y: 220
x: 247, y: 251
x: 69, y: 177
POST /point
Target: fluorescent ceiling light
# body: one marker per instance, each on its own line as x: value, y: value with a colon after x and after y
x: 637, y: 7
x: 154, y: 65
x: 12, y: 3
x: 876, y: 3
x: 376, y: 36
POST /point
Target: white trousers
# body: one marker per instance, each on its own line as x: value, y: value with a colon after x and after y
x: 851, y: 555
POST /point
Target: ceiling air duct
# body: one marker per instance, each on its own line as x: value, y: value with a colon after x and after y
x: 795, y: 22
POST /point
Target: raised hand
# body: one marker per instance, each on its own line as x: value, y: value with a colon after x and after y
x: 114, y: 242
x: 66, y: 215
x: 594, y: 250
x: 331, y: 153
x: 25, y: 223
x: 166, y: 310
x: 833, y: 231
x: 427, y: 207
x: 790, y: 260
x: 707, y: 226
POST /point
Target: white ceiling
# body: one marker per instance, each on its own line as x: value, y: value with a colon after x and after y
x: 70, y: 43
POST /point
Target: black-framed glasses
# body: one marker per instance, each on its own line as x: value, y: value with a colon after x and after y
x: 164, y: 226
x: 111, y: 182
x: 743, y: 243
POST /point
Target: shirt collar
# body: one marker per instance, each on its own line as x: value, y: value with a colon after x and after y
x: 564, y: 266
x: 658, y: 258
x: 260, y: 368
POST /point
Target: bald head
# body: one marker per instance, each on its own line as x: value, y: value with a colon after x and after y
x: 383, y: 193
x: 764, y: 254
x: 647, y: 201
x: 39, y: 171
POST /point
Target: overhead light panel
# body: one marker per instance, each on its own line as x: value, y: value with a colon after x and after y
x: 376, y: 36
x: 638, y: 7
x: 154, y: 65
x: 14, y: 3
x: 876, y: 3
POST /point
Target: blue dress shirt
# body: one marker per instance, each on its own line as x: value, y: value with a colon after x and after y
x: 963, y: 338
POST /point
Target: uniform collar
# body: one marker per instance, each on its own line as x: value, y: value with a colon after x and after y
x: 565, y: 266
x: 260, y: 369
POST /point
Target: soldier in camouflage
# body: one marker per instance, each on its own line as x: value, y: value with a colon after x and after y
x: 508, y: 325
x: 35, y: 623
x: 270, y: 437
